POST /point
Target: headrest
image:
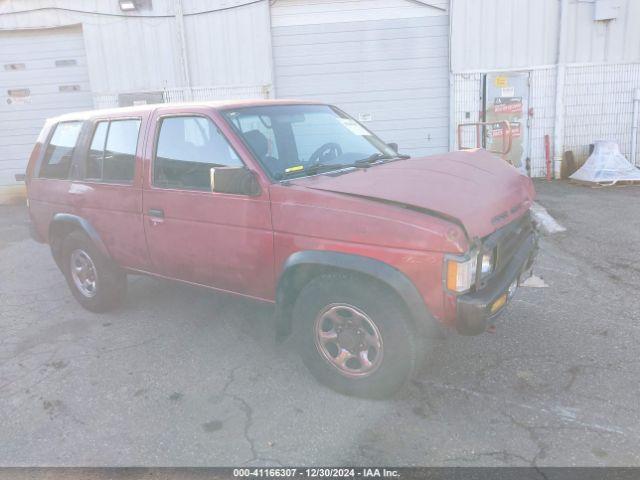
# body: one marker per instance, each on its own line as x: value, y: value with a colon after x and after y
x: 258, y: 142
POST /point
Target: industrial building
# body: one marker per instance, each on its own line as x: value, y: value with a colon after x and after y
x: 411, y: 70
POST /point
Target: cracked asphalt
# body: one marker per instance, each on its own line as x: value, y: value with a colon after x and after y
x: 186, y: 377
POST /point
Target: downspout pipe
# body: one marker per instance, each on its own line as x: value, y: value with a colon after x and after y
x: 634, y: 127
x: 182, y: 40
x: 558, y: 138
x: 452, y: 87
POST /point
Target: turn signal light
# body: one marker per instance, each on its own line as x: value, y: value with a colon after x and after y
x: 461, y: 274
x: 499, y: 303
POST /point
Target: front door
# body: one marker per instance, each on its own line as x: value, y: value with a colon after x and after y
x: 220, y: 240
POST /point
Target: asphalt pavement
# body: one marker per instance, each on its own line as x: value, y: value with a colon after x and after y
x: 181, y: 376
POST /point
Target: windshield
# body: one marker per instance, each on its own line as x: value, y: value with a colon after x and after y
x: 294, y: 140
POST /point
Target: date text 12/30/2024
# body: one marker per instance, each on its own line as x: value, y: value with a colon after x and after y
x: 316, y: 472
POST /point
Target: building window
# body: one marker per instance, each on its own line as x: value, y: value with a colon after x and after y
x: 14, y: 66
x: 112, y: 154
x: 69, y: 88
x: 66, y: 62
x: 57, y: 157
x: 19, y: 93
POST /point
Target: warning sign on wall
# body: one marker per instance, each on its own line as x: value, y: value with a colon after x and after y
x: 507, y: 105
x: 506, y: 99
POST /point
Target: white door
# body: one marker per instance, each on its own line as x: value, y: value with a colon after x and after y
x: 391, y: 74
x: 43, y: 73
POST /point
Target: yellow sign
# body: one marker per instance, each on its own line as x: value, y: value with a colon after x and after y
x: 297, y: 168
x: 501, y: 82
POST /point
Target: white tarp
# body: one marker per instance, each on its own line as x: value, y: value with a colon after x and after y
x: 606, y: 166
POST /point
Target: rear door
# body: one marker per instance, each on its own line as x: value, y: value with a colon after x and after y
x: 220, y: 240
x: 106, y: 186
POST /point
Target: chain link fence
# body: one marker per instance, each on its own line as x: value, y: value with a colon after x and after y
x: 184, y: 94
x: 598, y: 105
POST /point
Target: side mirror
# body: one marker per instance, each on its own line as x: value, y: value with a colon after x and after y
x: 235, y: 180
x: 393, y: 146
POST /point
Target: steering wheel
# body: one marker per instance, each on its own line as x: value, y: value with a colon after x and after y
x: 327, y: 151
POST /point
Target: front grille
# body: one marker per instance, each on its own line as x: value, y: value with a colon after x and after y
x: 510, y: 241
x: 505, y: 242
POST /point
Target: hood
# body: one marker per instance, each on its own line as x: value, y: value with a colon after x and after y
x: 474, y: 188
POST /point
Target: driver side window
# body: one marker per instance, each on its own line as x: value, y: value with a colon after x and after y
x: 187, y: 148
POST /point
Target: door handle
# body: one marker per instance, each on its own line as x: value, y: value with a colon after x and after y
x: 156, y: 212
x: 156, y: 216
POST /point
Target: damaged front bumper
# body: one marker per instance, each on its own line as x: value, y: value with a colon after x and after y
x: 476, y: 310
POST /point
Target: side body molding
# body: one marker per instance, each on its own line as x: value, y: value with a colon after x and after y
x: 301, y: 266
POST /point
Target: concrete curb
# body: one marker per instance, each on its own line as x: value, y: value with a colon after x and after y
x: 13, y: 194
x: 545, y: 220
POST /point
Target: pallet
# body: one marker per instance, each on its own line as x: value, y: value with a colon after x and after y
x: 620, y: 183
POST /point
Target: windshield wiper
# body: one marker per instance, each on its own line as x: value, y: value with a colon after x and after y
x: 328, y: 167
x: 376, y: 157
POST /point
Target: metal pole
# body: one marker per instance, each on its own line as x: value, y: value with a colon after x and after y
x: 547, y: 155
x: 182, y: 40
x: 452, y: 90
x: 273, y: 88
x: 634, y: 127
x: 558, y: 138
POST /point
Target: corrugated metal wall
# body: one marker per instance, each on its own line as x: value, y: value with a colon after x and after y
x: 227, y: 44
x: 141, y: 50
x: 602, y: 72
x: 499, y: 34
x: 42, y: 74
x: 286, y: 13
x: 384, y: 62
x: 598, y: 105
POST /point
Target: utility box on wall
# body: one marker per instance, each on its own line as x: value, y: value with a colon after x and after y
x: 139, y: 98
x: 606, y: 10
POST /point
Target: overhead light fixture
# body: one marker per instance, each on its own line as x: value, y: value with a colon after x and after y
x: 127, y: 5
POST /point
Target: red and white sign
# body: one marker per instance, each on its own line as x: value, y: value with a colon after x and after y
x: 507, y: 105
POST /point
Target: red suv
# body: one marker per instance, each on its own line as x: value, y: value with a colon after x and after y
x: 362, y: 250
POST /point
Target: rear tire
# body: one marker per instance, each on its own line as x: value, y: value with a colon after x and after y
x: 95, y: 281
x: 340, y: 316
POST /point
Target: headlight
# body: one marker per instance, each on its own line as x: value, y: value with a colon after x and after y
x: 486, y: 267
x: 461, y: 274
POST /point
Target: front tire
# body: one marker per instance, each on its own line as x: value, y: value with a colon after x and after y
x: 355, y: 335
x: 95, y: 281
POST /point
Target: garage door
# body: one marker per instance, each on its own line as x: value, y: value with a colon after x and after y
x: 390, y: 74
x: 43, y: 73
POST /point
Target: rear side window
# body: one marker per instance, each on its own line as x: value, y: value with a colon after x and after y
x: 112, y: 154
x: 57, y: 157
x: 187, y: 149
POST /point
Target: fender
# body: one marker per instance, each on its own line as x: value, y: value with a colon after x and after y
x: 68, y: 221
x: 301, y: 266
